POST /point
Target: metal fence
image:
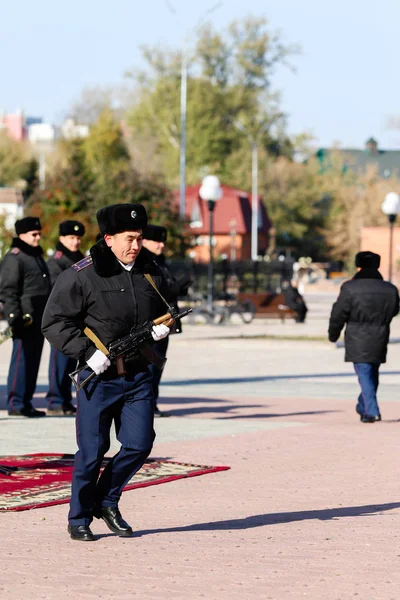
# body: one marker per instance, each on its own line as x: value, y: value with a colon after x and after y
x: 231, y: 278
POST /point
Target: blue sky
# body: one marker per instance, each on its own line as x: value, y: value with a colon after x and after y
x: 346, y: 86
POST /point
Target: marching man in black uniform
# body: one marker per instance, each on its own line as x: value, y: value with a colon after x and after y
x: 59, y: 397
x: 108, y: 293
x: 24, y: 289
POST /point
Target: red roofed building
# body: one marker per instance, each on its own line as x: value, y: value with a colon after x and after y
x: 232, y: 224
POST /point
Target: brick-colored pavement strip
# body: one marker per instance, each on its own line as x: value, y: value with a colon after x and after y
x: 309, y: 509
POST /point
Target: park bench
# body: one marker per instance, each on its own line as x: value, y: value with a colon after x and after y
x: 267, y: 305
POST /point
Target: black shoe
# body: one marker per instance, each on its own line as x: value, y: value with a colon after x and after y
x: 82, y: 533
x: 27, y: 412
x: 113, y: 519
x: 160, y: 413
x: 365, y: 419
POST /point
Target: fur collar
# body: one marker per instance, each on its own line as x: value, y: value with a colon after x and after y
x: 368, y: 274
x: 75, y: 256
x: 26, y: 248
x: 106, y: 264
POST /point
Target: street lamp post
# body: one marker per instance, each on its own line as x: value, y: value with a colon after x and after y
x: 210, y: 191
x: 391, y: 208
x: 183, y: 103
x: 253, y: 140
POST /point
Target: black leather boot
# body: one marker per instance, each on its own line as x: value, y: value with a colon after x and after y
x: 82, y: 533
x: 113, y: 519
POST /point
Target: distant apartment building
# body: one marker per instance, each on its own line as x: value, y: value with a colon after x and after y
x: 21, y: 127
x: 11, y: 205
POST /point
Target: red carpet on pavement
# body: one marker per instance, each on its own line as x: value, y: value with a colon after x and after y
x: 45, y: 479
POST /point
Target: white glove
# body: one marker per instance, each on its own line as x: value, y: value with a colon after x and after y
x: 98, y: 362
x: 159, y: 332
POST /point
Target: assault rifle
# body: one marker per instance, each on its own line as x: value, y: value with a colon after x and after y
x: 138, y: 341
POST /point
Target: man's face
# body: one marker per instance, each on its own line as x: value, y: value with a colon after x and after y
x: 154, y: 247
x: 126, y: 246
x: 71, y: 242
x: 31, y: 237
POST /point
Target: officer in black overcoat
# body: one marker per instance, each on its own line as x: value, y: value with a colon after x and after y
x: 154, y: 239
x: 59, y: 396
x: 108, y: 293
x: 24, y: 289
x: 366, y: 305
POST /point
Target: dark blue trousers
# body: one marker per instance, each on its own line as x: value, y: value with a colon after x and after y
x: 24, y: 367
x: 161, y: 348
x: 129, y: 402
x: 368, y: 377
x: 60, y: 366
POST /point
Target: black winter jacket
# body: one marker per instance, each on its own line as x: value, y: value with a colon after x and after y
x: 62, y: 259
x: 366, y: 305
x: 24, y: 282
x: 99, y: 293
x: 176, y: 288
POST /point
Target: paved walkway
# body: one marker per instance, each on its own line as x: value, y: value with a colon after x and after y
x: 310, y: 507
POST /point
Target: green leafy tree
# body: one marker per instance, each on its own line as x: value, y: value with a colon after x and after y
x: 96, y: 172
x: 230, y: 79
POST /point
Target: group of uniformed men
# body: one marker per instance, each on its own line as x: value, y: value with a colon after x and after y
x: 118, y: 287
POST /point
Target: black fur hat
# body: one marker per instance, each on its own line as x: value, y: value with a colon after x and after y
x: 368, y: 260
x: 71, y: 228
x: 27, y: 224
x: 117, y: 218
x: 155, y: 233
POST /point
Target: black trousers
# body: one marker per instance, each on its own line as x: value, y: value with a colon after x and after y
x: 161, y: 348
x: 24, y: 368
x: 128, y: 401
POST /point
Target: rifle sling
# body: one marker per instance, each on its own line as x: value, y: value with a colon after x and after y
x: 98, y: 343
x: 151, y: 281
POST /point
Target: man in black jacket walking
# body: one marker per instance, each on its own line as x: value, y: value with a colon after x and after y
x: 59, y: 397
x: 24, y: 289
x: 366, y: 305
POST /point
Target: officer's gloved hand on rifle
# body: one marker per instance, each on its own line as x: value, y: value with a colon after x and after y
x: 159, y: 332
x: 98, y: 362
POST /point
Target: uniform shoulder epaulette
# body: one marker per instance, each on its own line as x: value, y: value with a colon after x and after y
x: 57, y: 255
x: 82, y: 264
x: 15, y: 251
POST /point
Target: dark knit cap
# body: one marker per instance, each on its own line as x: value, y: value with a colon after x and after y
x: 155, y: 233
x: 368, y: 260
x: 71, y: 228
x: 27, y: 224
x: 117, y: 218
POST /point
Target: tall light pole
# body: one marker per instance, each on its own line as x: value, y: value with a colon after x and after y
x: 210, y: 191
x: 253, y: 140
x: 391, y: 208
x: 183, y: 111
x: 182, y: 148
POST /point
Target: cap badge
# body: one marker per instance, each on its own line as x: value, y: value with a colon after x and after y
x: 76, y: 228
x: 133, y: 214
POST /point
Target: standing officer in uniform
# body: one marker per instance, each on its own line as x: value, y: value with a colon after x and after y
x: 154, y: 238
x: 59, y: 397
x: 366, y: 305
x: 108, y: 293
x: 24, y: 289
